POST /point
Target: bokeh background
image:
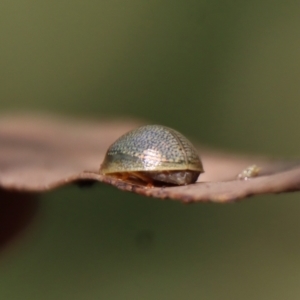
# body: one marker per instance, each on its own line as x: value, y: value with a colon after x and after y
x: 225, y: 73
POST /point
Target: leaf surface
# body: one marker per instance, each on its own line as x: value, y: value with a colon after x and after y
x: 39, y: 153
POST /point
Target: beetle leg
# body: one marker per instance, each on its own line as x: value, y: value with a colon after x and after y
x: 146, y: 179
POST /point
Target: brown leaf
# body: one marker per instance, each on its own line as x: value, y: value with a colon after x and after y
x: 39, y: 153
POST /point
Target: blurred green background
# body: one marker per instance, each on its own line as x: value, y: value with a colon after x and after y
x: 226, y: 73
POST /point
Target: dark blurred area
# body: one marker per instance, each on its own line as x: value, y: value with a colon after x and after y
x: 225, y: 73
x: 17, y: 211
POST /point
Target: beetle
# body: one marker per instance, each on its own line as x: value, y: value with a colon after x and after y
x: 153, y: 153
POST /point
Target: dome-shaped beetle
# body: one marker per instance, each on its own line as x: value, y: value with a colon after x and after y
x: 153, y: 153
